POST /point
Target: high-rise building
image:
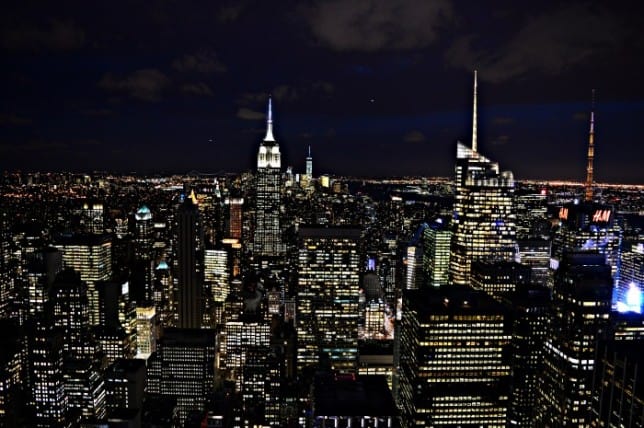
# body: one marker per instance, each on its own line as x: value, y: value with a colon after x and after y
x: 452, y: 359
x: 235, y: 207
x: 536, y: 254
x: 91, y: 256
x: 46, y: 373
x: 267, y: 240
x: 125, y: 384
x: 41, y: 269
x: 309, y: 165
x: 351, y: 402
x: 188, y: 275
x: 628, y: 293
x: 216, y: 273
x: 483, y: 217
x: 618, y: 393
x: 91, y: 217
x: 498, y: 278
x: 83, y: 382
x: 530, y: 306
x: 12, y: 372
x: 146, y: 331
x: 187, y: 367
x: 436, y: 241
x: 588, y: 226
x: 144, y: 257
x: 327, y: 296
x: 581, y: 304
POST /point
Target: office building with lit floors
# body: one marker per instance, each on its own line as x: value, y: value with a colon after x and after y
x: 125, y: 385
x: 187, y: 362
x: 83, y: 381
x: 437, y: 238
x: 618, y: 390
x: 581, y: 306
x: 529, y: 306
x: 91, y: 256
x: 328, y: 291
x: 46, y: 373
x: 452, y: 360
x: 484, y: 218
x: 143, y: 269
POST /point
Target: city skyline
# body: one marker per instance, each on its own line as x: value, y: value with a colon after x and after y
x: 99, y: 89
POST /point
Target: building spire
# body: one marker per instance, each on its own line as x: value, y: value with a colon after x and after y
x: 591, y: 154
x: 269, y: 121
x: 309, y: 150
x: 474, y: 116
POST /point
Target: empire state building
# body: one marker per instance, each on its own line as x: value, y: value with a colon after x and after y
x: 267, y: 240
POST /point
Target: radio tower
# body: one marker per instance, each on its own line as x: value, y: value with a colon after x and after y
x: 591, y: 154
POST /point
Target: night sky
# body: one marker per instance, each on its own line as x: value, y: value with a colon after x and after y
x: 376, y: 88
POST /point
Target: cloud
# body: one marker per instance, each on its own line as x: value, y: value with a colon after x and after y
x: 502, y: 120
x: 373, y: 25
x: 97, y: 112
x: 252, y: 98
x: 581, y: 116
x: 10, y: 119
x: 56, y: 36
x: 146, y: 84
x: 501, y: 140
x: 414, y: 137
x: 248, y: 114
x: 289, y: 93
x: 285, y: 93
x: 205, y: 61
x: 199, y: 88
x: 549, y: 44
x: 230, y: 13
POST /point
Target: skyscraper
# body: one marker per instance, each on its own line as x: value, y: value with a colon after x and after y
x: 309, y: 165
x: 188, y: 275
x: 143, y: 250
x: 267, y: 240
x: 436, y: 240
x: 483, y: 217
x: 452, y: 363
x: 581, y: 303
x: 187, y: 367
x: 91, y: 256
x: 530, y: 305
x: 327, y: 296
x: 83, y: 382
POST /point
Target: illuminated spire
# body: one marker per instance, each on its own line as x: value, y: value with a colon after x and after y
x: 591, y: 154
x: 474, y: 146
x: 269, y: 121
x: 309, y: 151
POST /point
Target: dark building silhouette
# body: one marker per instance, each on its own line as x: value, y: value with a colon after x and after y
x: 188, y: 274
x: 581, y: 307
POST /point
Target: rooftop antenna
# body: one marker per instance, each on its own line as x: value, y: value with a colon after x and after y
x: 474, y: 146
x: 591, y: 154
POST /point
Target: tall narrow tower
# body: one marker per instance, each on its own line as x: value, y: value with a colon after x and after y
x: 309, y: 165
x: 591, y: 155
x: 267, y: 239
x: 474, y: 115
x: 189, y: 281
x: 484, y: 220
